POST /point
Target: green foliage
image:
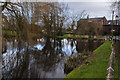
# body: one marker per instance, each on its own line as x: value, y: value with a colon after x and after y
x: 115, y: 33
x: 91, y: 37
x: 71, y: 64
x: 69, y: 32
x: 98, y: 65
x: 88, y: 62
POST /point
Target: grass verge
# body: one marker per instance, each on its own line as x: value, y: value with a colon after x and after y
x: 98, y: 66
x: 116, y: 68
x: 116, y: 48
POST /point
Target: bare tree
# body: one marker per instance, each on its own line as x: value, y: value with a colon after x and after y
x: 77, y: 17
x: 116, y: 6
x: 25, y: 16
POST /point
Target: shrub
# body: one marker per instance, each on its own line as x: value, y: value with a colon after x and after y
x: 74, y: 61
x: 86, y: 53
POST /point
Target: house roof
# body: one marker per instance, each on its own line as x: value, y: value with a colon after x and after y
x: 97, y: 18
x: 115, y: 23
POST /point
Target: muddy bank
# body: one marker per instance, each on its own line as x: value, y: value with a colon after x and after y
x: 76, y: 61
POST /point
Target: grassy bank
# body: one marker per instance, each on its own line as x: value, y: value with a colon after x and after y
x: 9, y: 32
x: 116, y: 64
x: 79, y: 36
x: 116, y: 68
x: 98, y: 66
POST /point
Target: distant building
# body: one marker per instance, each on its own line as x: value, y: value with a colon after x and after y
x: 96, y: 23
x: 102, y: 20
x: 108, y: 27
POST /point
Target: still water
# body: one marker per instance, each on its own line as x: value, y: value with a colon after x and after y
x: 43, y: 59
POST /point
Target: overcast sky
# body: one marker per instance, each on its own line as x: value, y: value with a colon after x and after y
x: 85, y: 0
x: 94, y: 9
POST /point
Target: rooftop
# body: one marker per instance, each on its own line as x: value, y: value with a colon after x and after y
x: 115, y: 23
x: 97, y: 18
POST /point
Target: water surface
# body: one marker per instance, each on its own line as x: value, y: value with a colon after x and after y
x: 43, y: 59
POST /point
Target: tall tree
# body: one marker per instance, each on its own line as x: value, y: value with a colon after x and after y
x: 116, y: 6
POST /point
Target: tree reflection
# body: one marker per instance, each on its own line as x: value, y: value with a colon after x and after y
x: 49, y: 55
x: 47, y: 59
x: 30, y: 62
x: 87, y: 44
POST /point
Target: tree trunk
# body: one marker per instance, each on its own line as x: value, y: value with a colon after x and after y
x: 0, y: 43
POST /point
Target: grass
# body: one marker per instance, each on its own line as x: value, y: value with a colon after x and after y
x: 98, y: 66
x: 9, y: 32
x: 116, y: 68
x: 69, y: 32
x: 116, y: 58
x: 79, y: 36
x: 100, y: 37
x: 72, y: 36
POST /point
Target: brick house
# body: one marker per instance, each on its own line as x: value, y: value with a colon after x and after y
x: 108, y: 27
x: 102, y: 20
x: 98, y: 24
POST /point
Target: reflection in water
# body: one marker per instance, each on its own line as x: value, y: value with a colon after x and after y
x: 44, y: 59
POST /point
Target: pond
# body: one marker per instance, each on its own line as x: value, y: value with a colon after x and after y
x: 43, y: 59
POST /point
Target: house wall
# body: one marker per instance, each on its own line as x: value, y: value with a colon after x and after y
x: 103, y: 21
x: 107, y: 30
x: 98, y: 24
